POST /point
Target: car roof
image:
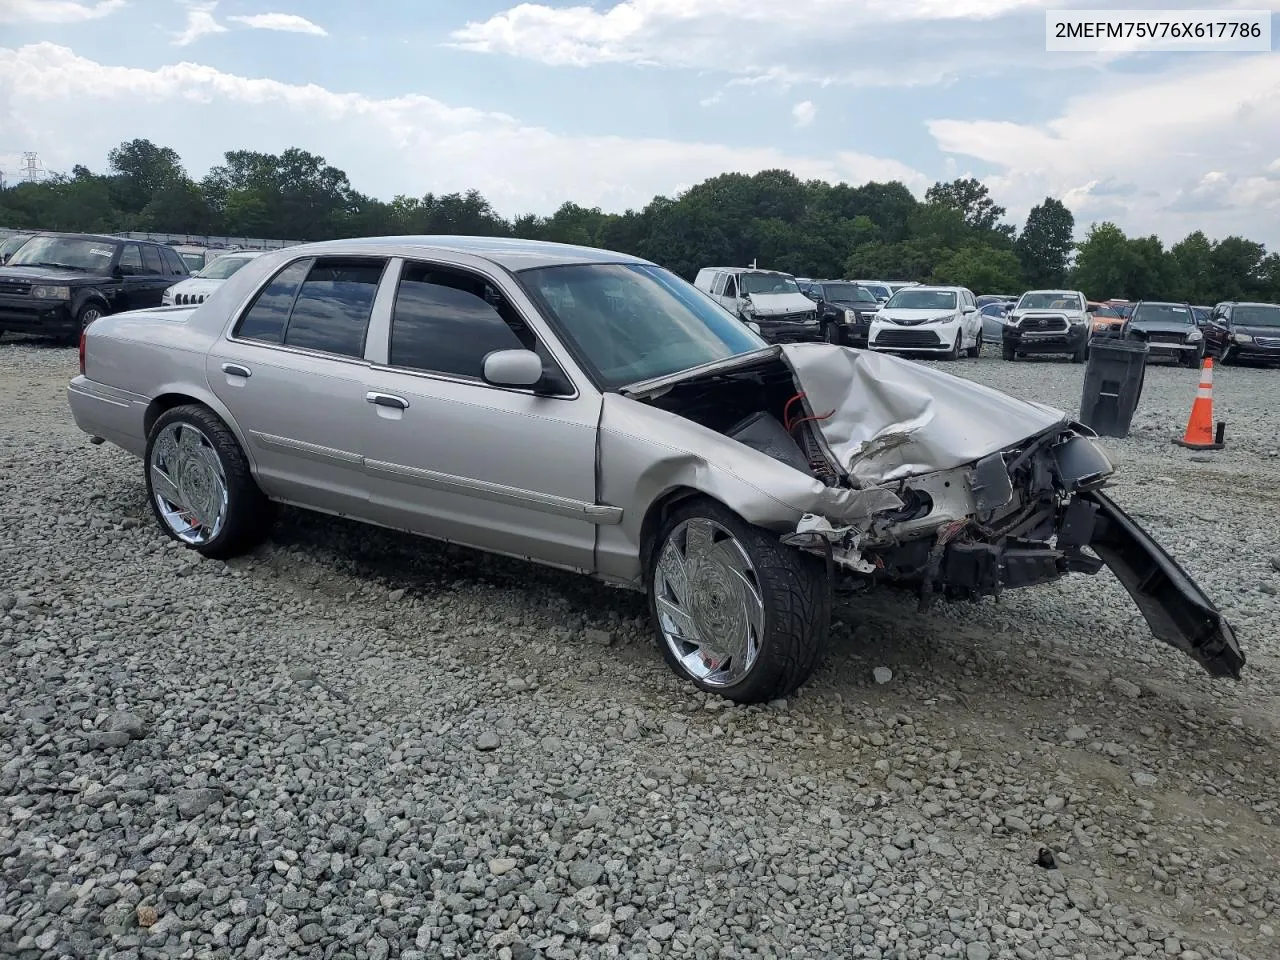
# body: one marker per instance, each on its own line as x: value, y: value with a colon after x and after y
x: 1251, y: 303
x: 1163, y: 303
x: 781, y: 273
x: 935, y: 286
x: 84, y: 236
x: 508, y: 252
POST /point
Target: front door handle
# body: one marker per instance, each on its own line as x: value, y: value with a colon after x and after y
x: 387, y: 400
x: 236, y: 370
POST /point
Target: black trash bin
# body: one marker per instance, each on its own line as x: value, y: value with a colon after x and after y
x: 1113, y: 384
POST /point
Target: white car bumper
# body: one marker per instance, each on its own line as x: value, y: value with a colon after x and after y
x: 923, y: 337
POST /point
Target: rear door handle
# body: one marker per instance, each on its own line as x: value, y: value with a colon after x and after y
x: 387, y: 400
x: 236, y: 370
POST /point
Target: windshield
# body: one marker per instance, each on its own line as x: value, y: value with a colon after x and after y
x: 1161, y: 313
x: 13, y: 243
x: 194, y: 261
x: 911, y: 298
x: 1259, y: 316
x: 633, y: 322
x: 223, y: 267
x: 1050, y: 301
x: 768, y: 283
x: 847, y: 293
x: 1106, y: 313
x: 71, y: 253
x: 877, y: 290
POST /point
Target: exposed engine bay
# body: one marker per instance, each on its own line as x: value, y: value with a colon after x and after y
x: 1016, y: 515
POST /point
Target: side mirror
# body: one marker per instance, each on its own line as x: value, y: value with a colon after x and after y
x: 512, y: 368
x: 969, y: 310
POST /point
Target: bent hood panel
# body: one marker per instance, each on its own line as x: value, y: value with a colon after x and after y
x: 894, y: 418
x: 196, y: 286
x: 773, y: 304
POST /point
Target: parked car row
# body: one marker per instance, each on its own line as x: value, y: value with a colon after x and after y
x: 56, y: 284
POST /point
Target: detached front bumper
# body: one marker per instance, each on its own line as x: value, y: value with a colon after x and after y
x: 1024, y: 517
x: 1173, y: 351
x: 789, y: 331
x: 29, y: 315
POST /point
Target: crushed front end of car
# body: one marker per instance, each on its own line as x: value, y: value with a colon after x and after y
x: 980, y: 513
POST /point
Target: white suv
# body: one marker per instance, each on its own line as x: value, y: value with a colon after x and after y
x: 939, y: 320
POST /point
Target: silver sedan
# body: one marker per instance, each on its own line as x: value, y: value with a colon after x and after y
x: 594, y: 412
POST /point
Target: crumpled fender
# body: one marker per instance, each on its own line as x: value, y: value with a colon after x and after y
x: 647, y: 453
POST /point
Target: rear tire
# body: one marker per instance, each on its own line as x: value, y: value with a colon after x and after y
x: 199, y: 455
x: 737, y: 613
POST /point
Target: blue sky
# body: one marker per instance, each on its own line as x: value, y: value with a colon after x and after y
x: 608, y: 102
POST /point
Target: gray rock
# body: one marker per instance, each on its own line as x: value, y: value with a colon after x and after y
x: 192, y: 803
x: 882, y: 674
x: 585, y: 873
x: 129, y: 724
x: 488, y: 741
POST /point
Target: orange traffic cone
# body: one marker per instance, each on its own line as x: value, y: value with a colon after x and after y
x: 1199, y: 434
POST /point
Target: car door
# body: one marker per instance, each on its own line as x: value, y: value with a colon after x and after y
x: 291, y: 371
x: 1217, y: 331
x: 451, y: 456
x: 151, y: 282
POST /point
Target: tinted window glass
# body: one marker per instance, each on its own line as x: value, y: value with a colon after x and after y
x: 131, y: 259
x: 332, y: 311
x: 172, y: 262
x: 447, y: 322
x: 266, y: 317
x: 151, y: 260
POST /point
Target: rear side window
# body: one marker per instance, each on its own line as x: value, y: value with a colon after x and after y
x: 172, y: 262
x: 151, y: 260
x: 331, y: 312
x: 131, y: 260
x: 447, y: 321
x: 267, y: 316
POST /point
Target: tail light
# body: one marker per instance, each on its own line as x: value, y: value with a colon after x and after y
x: 83, y: 335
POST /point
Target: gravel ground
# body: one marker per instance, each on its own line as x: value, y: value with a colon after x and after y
x: 357, y: 744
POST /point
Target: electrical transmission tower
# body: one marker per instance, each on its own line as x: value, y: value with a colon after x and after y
x: 32, y: 169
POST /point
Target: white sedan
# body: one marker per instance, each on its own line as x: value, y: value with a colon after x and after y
x: 938, y: 320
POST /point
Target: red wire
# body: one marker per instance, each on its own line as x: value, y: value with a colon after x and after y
x: 786, y: 411
x: 803, y: 419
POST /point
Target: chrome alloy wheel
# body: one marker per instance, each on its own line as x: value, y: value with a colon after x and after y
x: 188, y: 483
x: 708, y: 602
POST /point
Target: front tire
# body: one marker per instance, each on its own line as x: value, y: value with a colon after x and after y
x: 200, y: 487
x: 1007, y: 351
x: 976, y: 350
x: 833, y: 334
x: 738, y: 613
x: 954, y: 352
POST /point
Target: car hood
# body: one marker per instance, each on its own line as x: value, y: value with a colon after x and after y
x: 196, y: 285
x: 1256, y: 331
x: 1162, y: 326
x: 914, y: 317
x: 861, y: 306
x: 774, y: 304
x: 48, y: 275
x: 890, y: 418
x: 1047, y: 312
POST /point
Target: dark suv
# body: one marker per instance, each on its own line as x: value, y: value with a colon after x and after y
x: 844, y: 309
x: 1169, y: 330
x: 59, y: 283
x: 1244, y: 331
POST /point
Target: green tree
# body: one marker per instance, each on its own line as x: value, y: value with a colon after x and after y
x: 140, y: 171
x: 1044, y: 247
x: 971, y: 197
x: 1193, y: 257
x: 982, y: 269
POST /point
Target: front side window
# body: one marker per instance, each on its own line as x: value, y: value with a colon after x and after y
x: 194, y: 261
x: 753, y: 283
x: 331, y: 313
x: 447, y: 321
x: 909, y: 298
x: 633, y: 322
x: 67, y: 253
x: 731, y: 287
x: 131, y: 259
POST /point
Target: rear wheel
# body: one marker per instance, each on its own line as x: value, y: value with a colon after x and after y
x: 738, y: 613
x: 200, y: 486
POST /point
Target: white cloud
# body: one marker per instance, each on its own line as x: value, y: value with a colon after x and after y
x: 287, y: 22
x: 1198, y: 141
x: 804, y: 112
x: 55, y: 11
x: 410, y: 144
x: 200, y: 23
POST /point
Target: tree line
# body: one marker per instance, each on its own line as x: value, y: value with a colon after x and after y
x: 956, y: 235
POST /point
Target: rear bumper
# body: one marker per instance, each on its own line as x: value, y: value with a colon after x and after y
x: 26, y: 315
x: 107, y: 412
